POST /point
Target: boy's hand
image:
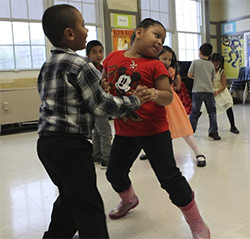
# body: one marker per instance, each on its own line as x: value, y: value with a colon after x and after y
x: 105, y: 85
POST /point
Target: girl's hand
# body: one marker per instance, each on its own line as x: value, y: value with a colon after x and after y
x: 171, y: 72
x: 105, y: 85
x: 215, y: 93
x: 146, y: 94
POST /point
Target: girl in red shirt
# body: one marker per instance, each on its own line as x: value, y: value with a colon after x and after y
x: 146, y: 128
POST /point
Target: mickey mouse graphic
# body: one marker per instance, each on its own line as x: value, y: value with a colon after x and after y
x: 127, y: 81
x: 126, y: 84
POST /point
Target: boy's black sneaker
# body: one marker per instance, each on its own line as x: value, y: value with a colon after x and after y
x: 214, y: 136
x: 104, y: 164
x: 234, y: 130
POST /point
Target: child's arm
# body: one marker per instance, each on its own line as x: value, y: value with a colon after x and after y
x: 164, y: 91
x: 142, y: 92
x: 223, y: 81
x: 178, y: 83
x: 100, y: 103
x: 190, y: 75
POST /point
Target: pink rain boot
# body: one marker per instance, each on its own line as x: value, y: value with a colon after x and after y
x: 198, y: 227
x: 128, y: 202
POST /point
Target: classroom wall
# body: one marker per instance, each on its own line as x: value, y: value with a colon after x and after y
x: 128, y: 5
x: 221, y: 10
x: 237, y: 13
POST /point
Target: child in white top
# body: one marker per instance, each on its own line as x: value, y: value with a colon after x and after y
x: 223, y: 98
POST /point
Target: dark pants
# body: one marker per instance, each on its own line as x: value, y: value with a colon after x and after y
x: 159, y: 150
x: 79, y: 206
x: 208, y: 99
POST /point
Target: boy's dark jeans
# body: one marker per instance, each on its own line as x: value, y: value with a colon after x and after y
x: 208, y: 99
x: 79, y: 206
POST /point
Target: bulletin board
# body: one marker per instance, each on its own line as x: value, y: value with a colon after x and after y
x: 232, y: 48
x: 121, y: 39
x: 247, y: 48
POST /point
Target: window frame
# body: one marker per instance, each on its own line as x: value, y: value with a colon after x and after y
x: 174, y: 34
x: 47, y: 45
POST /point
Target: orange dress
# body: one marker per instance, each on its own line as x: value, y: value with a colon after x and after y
x: 179, y: 124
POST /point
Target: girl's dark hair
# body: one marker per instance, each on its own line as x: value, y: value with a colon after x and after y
x: 174, y: 62
x: 217, y: 57
x: 145, y: 23
x: 56, y: 19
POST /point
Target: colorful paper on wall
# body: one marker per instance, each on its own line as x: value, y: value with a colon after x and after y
x: 121, y: 39
x: 233, y: 51
x: 247, y: 48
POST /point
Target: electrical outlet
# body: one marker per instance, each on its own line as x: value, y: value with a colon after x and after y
x: 6, y: 106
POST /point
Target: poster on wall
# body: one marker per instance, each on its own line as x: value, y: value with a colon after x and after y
x: 247, y: 48
x: 121, y: 39
x: 233, y: 51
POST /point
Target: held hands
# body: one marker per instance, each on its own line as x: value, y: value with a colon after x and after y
x: 105, y: 85
x: 146, y: 94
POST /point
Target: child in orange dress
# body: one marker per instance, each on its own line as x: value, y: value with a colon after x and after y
x: 179, y: 124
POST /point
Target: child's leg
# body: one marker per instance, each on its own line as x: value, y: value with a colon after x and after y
x: 211, y: 110
x: 123, y: 153
x: 79, y: 206
x: 230, y: 116
x: 190, y: 140
x: 195, y: 112
x: 160, y: 151
x: 105, y: 133
x: 96, y: 141
x: 201, y: 159
x: 161, y: 157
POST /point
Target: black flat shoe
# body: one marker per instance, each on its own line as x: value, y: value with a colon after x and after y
x: 143, y: 157
x: 234, y: 130
x: 201, y: 163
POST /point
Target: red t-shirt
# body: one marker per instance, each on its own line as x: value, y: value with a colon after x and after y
x: 124, y: 74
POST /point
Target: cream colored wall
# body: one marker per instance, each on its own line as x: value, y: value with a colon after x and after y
x: 125, y: 5
x: 20, y: 105
x: 221, y: 10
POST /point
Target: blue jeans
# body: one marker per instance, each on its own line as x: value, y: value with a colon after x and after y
x: 208, y: 99
x: 159, y: 150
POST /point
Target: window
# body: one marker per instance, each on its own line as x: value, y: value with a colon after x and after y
x: 23, y: 44
x: 160, y: 10
x: 184, y: 29
x: 188, y: 26
x: 86, y: 7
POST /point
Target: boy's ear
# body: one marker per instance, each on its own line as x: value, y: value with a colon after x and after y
x: 69, y: 34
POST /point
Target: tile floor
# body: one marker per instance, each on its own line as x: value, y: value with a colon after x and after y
x: 222, y: 188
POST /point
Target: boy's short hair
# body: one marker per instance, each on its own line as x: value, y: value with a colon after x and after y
x: 92, y: 44
x: 206, y: 49
x: 56, y: 19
